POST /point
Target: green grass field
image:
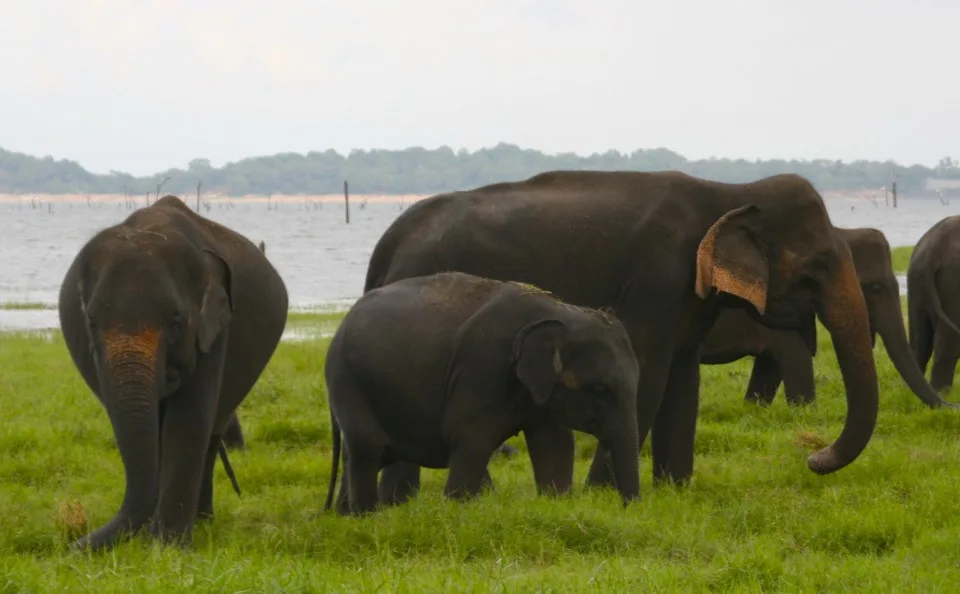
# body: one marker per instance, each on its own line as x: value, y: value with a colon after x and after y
x: 901, y: 258
x: 753, y: 519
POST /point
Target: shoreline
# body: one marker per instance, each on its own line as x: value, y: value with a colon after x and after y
x: 220, y: 197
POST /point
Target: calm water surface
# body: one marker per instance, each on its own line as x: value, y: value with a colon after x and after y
x: 322, y: 260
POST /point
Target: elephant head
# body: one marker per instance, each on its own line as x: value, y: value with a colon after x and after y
x: 580, y: 368
x: 881, y: 290
x: 153, y: 303
x: 772, y: 246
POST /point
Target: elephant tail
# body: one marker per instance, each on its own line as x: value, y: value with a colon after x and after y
x: 334, y: 463
x: 930, y: 288
x: 228, y: 468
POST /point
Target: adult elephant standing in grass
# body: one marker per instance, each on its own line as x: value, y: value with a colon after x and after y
x: 664, y: 251
x: 170, y: 319
x: 787, y: 355
x: 933, y: 301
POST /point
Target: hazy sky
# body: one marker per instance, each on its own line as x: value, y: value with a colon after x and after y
x: 138, y: 86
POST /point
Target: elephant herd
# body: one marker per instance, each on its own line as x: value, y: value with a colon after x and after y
x: 572, y: 300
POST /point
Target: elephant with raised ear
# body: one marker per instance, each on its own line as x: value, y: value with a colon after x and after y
x: 439, y: 370
x: 665, y: 251
x: 170, y: 318
x: 933, y: 301
x: 787, y: 355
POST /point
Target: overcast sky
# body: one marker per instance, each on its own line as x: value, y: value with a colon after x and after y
x: 139, y: 86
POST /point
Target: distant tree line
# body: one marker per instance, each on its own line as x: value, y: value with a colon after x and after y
x: 419, y: 170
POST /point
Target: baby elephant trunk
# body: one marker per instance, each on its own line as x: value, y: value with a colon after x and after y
x: 624, y: 447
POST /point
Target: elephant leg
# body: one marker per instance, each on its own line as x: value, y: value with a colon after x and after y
x: 233, y: 434
x: 796, y: 364
x: 946, y: 352
x: 205, y: 504
x: 186, y: 443
x: 551, y: 454
x: 361, y: 468
x: 343, y: 495
x: 764, y: 380
x: 399, y: 481
x: 468, y: 469
x: 675, y: 424
x: 650, y: 392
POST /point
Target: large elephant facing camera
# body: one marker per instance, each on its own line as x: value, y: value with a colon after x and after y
x: 664, y: 251
x: 933, y: 301
x: 787, y: 355
x: 439, y: 370
x: 170, y: 319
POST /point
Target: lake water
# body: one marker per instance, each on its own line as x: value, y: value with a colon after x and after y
x: 322, y: 259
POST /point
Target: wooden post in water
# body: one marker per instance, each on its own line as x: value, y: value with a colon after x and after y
x: 263, y: 247
x: 894, y: 190
x: 199, y: 183
x: 346, y: 200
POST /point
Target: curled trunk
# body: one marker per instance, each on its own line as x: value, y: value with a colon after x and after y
x: 131, y: 389
x: 890, y: 326
x: 844, y: 314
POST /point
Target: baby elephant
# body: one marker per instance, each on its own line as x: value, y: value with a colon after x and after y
x: 439, y: 370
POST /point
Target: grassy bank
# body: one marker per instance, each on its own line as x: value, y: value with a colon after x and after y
x: 754, y: 518
x: 901, y: 258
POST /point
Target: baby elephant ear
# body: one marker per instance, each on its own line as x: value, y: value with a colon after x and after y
x: 536, y: 357
x: 731, y: 259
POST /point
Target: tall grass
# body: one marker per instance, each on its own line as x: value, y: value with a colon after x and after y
x: 753, y: 519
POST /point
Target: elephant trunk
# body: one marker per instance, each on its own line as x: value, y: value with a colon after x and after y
x: 890, y: 327
x: 844, y: 313
x: 130, y: 387
x: 624, y: 447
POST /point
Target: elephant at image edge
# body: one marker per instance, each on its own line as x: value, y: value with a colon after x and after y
x: 170, y: 319
x: 665, y: 251
x: 933, y: 301
x: 439, y: 370
x: 787, y: 355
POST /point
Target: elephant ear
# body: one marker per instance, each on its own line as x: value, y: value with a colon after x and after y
x: 536, y: 357
x: 217, y: 305
x: 732, y: 259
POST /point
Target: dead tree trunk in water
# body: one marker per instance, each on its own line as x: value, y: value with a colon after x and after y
x: 346, y: 200
x: 199, y: 183
x: 263, y: 247
x: 893, y: 190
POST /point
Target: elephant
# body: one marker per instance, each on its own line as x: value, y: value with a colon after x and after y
x: 233, y: 433
x: 665, y: 251
x: 787, y: 355
x: 933, y: 301
x: 439, y: 370
x: 170, y: 318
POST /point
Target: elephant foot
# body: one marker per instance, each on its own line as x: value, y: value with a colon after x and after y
x: 178, y: 537
x: 680, y: 481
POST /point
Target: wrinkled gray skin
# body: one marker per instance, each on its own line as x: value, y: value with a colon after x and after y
x: 439, y: 370
x: 933, y: 301
x: 787, y: 355
x: 665, y: 252
x: 170, y: 319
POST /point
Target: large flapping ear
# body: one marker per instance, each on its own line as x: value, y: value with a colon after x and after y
x: 732, y: 259
x: 536, y: 357
x: 217, y: 305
